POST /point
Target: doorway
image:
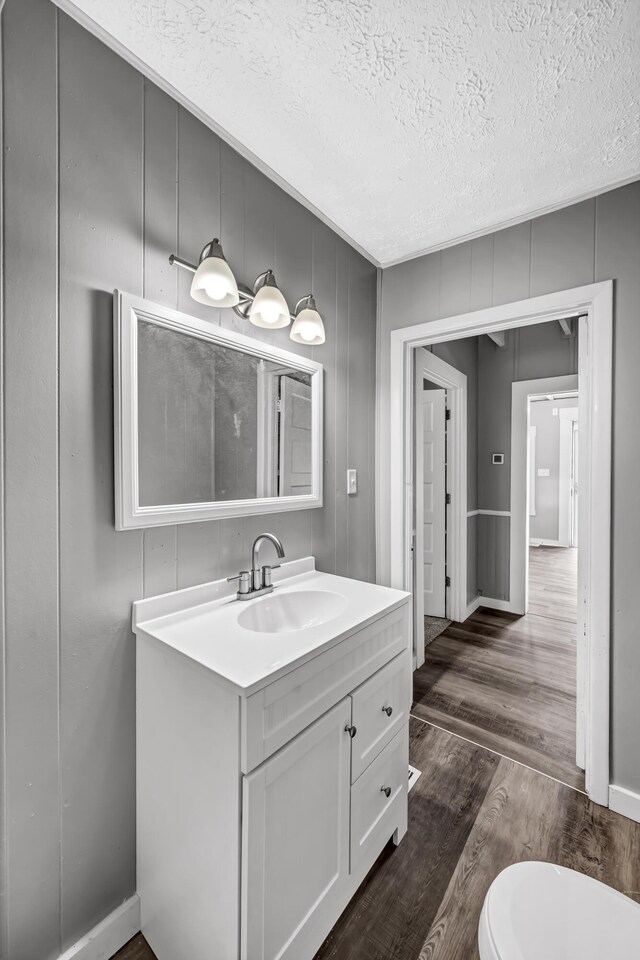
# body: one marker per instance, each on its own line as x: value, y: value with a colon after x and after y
x: 593, y: 305
x: 438, y: 510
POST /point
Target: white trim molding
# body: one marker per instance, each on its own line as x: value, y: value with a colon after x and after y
x: 107, y: 937
x: 594, y: 304
x: 624, y: 801
x: 488, y: 513
x: 455, y: 383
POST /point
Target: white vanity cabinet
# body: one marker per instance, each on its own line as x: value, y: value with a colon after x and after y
x: 261, y: 809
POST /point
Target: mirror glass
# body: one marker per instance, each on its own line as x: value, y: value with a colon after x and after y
x: 216, y: 423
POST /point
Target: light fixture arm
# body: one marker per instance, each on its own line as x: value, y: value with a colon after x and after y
x: 176, y: 261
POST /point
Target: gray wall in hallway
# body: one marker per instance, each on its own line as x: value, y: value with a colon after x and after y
x: 106, y: 178
x: 597, y: 239
x: 529, y: 354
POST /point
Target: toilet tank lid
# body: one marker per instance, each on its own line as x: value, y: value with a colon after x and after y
x: 536, y: 909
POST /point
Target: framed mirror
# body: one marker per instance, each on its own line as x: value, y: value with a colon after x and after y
x: 209, y: 423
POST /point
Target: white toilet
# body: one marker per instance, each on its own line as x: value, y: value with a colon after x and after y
x: 539, y: 911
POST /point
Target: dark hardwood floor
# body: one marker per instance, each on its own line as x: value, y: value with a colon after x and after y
x: 471, y: 814
x: 508, y: 683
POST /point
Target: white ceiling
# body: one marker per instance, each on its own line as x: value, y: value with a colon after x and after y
x: 407, y: 124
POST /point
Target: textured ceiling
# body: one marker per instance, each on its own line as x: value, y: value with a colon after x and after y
x: 407, y: 123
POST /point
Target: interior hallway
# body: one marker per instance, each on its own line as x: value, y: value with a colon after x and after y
x: 508, y: 683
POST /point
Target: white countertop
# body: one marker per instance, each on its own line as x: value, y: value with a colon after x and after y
x: 202, y: 623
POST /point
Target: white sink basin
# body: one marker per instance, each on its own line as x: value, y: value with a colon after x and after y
x: 249, y: 645
x: 289, y: 611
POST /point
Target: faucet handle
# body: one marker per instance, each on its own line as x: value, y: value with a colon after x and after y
x: 244, y: 579
x: 266, y: 573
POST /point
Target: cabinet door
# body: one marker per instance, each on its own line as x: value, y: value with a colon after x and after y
x: 295, y: 841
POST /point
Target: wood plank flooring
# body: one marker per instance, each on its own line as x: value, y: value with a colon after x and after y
x: 471, y: 814
x: 508, y: 683
x: 553, y: 583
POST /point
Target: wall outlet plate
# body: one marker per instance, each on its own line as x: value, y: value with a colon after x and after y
x: 352, y: 482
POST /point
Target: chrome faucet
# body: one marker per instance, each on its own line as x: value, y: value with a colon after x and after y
x: 257, y: 581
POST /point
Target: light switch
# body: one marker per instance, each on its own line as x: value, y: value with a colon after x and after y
x: 543, y: 471
x: 352, y: 482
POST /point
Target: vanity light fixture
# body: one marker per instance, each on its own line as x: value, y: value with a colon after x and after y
x: 308, y: 327
x: 269, y: 308
x: 264, y: 305
x: 213, y: 282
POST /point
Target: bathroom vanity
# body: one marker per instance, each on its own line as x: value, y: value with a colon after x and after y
x: 272, y: 759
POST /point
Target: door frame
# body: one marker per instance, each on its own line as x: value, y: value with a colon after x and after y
x: 454, y: 383
x: 595, y: 302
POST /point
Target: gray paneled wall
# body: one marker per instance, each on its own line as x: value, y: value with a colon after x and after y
x: 103, y: 177
x: 595, y: 240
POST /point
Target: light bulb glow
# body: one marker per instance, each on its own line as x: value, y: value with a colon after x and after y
x: 216, y: 287
x: 269, y: 308
x: 308, y: 328
x: 214, y: 284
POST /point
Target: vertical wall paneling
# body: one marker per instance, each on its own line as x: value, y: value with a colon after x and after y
x: 481, y: 282
x: 455, y: 280
x: 100, y: 110
x: 324, y: 287
x: 139, y: 178
x: 512, y: 263
x: 341, y: 407
x: 160, y: 280
x: 617, y: 249
x: 562, y: 248
x: 198, y: 204
x: 30, y: 494
x: 360, y: 405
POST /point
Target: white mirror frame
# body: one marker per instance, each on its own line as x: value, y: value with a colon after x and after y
x: 127, y: 310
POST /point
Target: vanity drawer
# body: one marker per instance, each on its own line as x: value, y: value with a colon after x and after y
x: 380, y: 708
x: 374, y: 816
x: 275, y: 715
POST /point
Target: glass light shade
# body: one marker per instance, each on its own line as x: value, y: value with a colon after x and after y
x: 213, y: 282
x: 269, y: 308
x: 308, y: 327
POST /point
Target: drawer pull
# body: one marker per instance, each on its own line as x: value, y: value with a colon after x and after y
x: 386, y: 791
x: 387, y: 710
x: 351, y: 731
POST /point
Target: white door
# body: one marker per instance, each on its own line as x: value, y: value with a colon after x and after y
x: 430, y: 545
x: 295, y: 438
x: 295, y: 841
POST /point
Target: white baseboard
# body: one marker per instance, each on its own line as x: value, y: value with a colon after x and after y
x: 625, y: 802
x: 473, y: 606
x: 505, y: 606
x: 109, y: 935
x: 540, y: 542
